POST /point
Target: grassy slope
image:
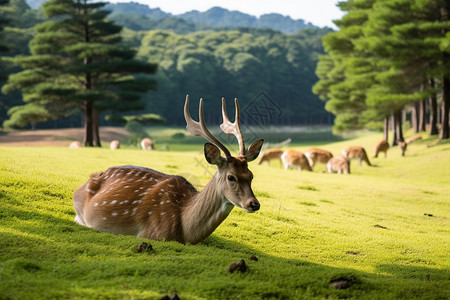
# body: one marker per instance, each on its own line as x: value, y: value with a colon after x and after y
x: 312, y: 228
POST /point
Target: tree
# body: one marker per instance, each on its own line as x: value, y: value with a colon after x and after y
x: 78, y: 61
x: 21, y: 116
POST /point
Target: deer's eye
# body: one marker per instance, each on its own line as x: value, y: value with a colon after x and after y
x: 231, y: 178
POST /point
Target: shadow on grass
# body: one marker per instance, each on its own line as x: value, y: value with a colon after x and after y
x: 57, y: 258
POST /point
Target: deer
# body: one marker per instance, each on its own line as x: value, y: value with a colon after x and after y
x: 145, y: 203
x: 356, y: 152
x: 403, y: 145
x: 271, y: 154
x: 147, y: 144
x: 75, y: 145
x: 338, y: 164
x: 294, y: 159
x: 316, y: 155
x: 115, y: 144
x: 382, y: 146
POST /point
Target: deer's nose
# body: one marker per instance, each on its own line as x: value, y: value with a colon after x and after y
x: 255, y: 205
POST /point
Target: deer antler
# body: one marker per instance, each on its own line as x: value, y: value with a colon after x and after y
x: 233, y: 128
x: 199, y: 128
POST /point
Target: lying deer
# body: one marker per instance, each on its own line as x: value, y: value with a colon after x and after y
x: 356, y: 152
x: 382, y: 146
x: 316, y: 155
x: 271, y: 154
x: 115, y: 144
x: 146, y: 203
x: 338, y: 164
x: 295, y: 159
x: 147, y: 144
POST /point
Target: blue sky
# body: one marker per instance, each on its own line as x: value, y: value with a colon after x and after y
x: 318, y: 12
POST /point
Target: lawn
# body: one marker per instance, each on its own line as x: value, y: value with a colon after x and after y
x: 382, y: 232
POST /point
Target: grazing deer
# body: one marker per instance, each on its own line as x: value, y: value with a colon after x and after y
x: 413, y: 139
x: 146, y: 203
x: 402, y: 146
x: 295, y: 159
x: 338, y: 164
x: 271, y: 154
x: 316, y: 155
x: 75, y: 145
x: 356, y: 152
x: 147, y: 144
x: 115, y: 144
x: 382, y: 146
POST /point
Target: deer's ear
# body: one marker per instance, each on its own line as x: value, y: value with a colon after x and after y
x: 212, y: 155
x: 253, y: 150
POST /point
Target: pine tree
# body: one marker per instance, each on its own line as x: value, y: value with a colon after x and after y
x: 78, y: 61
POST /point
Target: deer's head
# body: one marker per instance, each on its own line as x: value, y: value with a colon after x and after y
x: 233, y: 176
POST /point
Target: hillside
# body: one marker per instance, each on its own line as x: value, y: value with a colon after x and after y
x: 212, y: 18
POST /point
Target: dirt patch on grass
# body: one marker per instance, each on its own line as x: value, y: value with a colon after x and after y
x: 58, y: 137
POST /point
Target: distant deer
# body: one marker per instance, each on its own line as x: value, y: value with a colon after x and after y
x: 115, y: 144
x: 356, y: 152
x: 403, y: 145
x: 271, y: 154
x: 75, y: 145
x: 146, y: 203
x: 147, y: 144
x: 338, y: 164
x: 296, y: 160
x: 382, y: 146
x: 316, y: 155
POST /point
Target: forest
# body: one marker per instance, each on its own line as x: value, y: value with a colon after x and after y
x: 388, y: 63
x: 192, y: 58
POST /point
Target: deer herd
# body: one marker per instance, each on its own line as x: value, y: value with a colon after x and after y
x: 146, y: 203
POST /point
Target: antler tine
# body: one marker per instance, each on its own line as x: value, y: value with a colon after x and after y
x: 233, y: 128
x: 199, y: 128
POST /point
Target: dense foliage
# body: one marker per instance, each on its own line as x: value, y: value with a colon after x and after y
x: 79, y: 62
x: 237, y: 63
x: 386, y: 56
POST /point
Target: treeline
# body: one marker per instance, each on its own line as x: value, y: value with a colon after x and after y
x: 244, y: 63
x: 389, y: 59
x: 238, y: 63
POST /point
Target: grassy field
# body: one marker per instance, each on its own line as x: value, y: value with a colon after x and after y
x: 382, y: 232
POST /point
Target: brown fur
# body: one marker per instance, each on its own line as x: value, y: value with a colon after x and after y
x: 147, y: 144
x: 316, y: 155
x: 295, y: 159
x: 382, y: 146
x: 114, y: 145
x: 271, y: 154
x: 338, y: 164
x: 356, y: 152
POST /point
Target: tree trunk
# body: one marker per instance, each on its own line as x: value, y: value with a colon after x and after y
x: 95, y: 128
x: 433, y: 111
x: 423, y: 115
x: 415, y: 117
x: 394, y: 131
x: 386, y: 129
x: 88, y: 123
x: 398, y: 127
x: 445, y: 108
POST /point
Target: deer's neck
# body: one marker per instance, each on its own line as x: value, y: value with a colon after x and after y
x: 205, y: 211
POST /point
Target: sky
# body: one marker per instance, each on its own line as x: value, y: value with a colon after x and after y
x: 317, y: 12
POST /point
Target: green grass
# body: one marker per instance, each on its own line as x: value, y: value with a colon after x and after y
x: 386, y: 229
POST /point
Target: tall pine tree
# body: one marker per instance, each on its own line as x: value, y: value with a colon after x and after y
x: 79, y: 62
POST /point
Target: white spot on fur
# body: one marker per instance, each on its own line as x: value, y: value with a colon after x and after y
x: 114, y: 214
x: 123, y: 202
x: 113, y: 202
x: 104, y: 218
x: 126, y: 212
x: 162, y: 202
x: 171, y: 185
x: 104, y: 202
x: 127, y: 186
x: 150, y: 212
x: 163, y: 213
x: 95, y: 203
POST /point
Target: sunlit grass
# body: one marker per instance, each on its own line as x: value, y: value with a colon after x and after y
x: 385, y: 228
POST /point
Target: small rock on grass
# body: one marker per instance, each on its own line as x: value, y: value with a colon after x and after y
x: 144, y: 247
x: 238, y: 266
x: 253, y: 257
